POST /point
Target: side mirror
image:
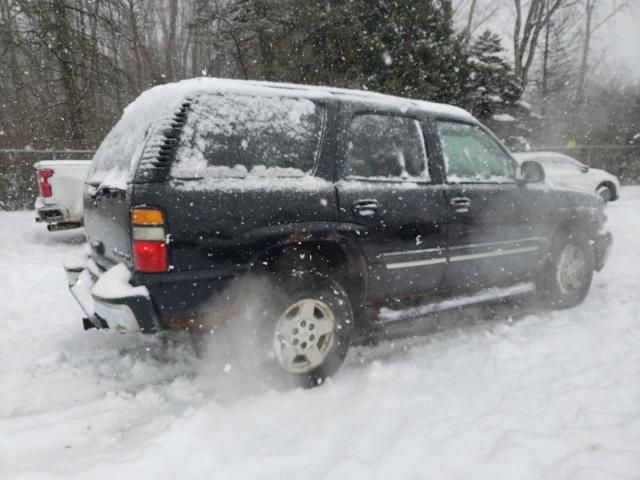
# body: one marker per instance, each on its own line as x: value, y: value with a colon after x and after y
x: 531, y: 172
x: 584, y: 169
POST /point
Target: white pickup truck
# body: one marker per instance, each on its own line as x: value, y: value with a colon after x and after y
x: 60, y: 184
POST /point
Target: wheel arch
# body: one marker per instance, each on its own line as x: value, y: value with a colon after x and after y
x: 334, y: 255
x: 611, y: 186
x: 578, y: 223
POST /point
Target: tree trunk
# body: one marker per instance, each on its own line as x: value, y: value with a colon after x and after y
x: 525, y: 35
x: 63, y: 44
x: 170, y: 46
x: 586, y: 45
x: 545, y: 65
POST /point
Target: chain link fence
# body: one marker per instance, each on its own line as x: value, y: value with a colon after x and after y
x: 18, y: 184
x: 19, y: 189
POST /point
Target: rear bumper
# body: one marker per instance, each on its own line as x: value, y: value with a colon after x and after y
x: 50, y: 215
x: 128, y: 310
x: 55, y: 217
x: 602, y: 249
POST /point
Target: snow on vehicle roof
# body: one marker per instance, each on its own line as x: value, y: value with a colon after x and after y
x: 114, y: 162
x: 187, y: 88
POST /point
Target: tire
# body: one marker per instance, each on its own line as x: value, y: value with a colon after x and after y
x: 565, y: 278
x: 606, y: 193
x: 306, y: 327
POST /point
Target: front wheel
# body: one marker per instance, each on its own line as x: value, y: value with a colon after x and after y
x: 565, y: 278
x: 606, y: 193
x: 308, y: 326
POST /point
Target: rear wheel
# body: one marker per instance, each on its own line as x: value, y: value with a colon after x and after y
x: 564, y: 280
x: 307, y: 327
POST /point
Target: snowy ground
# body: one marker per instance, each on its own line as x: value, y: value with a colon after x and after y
x: 552, y: 396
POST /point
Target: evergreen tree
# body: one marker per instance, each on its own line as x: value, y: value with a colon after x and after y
x: 494, y: 93
x: 493, y: 86
x: 403, y: 47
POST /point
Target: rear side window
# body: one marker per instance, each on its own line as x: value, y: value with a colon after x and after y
x: 471, y: 155
x: 240, y: 135
x: 386, y: 147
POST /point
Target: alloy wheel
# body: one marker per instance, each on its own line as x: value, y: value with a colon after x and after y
x: 304, y: 335
x: 571, y: 269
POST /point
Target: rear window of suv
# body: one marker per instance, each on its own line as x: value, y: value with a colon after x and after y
x: 242, y: 135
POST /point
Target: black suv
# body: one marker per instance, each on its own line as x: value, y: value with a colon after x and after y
x: 337, y: 200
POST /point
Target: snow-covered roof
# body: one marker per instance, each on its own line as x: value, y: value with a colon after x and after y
x: 186, y: 88
x: 130, y: 141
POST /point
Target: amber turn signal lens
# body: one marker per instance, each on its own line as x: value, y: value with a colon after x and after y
x: 147, y: 216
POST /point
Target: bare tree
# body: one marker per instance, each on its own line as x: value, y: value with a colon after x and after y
x: 530, y: 20
x: 558, y: 50
x: 475, y: 15
x: 595, y: 16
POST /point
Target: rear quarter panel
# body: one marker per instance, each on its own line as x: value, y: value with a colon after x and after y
x: 220, y: 228
x: 215, y: 234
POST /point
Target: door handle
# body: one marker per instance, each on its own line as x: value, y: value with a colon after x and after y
x: 366, y: 208
x: 461, y: 204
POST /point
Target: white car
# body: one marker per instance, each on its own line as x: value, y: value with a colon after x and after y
x: 564, y: 170
x: 60, y: 182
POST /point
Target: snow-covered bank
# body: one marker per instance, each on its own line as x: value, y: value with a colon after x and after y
x: 553, y: 396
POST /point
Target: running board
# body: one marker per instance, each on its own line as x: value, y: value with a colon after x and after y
x: 489, y: 295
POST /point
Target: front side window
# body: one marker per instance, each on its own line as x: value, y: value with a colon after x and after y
x: 241, y: 135
x: 386, y: 147
x: 471, y: 155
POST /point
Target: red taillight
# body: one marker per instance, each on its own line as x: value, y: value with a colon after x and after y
x: 45, y: 187
x: 148, y: 240
x: 150, y: 257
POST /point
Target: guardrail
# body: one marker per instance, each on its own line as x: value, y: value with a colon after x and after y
x: 18, y: 186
